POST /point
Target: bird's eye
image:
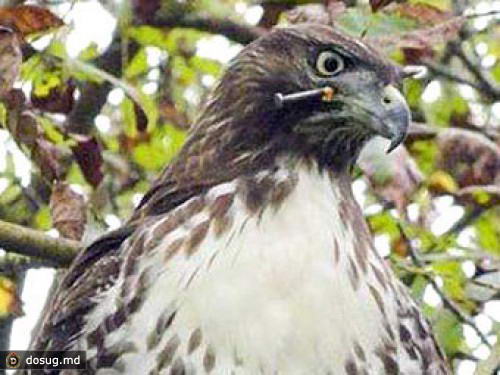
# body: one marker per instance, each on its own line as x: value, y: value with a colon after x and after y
x: 329, y: 63
x: 5, y: 30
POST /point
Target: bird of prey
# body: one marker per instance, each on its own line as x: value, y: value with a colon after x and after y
x: 249, y: 254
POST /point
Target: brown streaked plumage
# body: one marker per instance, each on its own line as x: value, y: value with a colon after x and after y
x: 249, y: 254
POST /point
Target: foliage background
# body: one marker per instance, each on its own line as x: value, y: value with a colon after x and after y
x: 85, y: 128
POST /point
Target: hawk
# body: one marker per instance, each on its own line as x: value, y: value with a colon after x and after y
x: 249, y: 254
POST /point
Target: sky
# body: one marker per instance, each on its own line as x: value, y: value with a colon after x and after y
x: 99, y: 31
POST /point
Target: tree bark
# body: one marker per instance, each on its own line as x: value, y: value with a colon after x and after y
x: 21, y: 240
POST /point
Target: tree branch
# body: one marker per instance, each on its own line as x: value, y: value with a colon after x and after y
x: 489, y: 89
x: 94, y: 95
x: 12, y: 262
x: 25, y: 241
x: 233, y: 31
x: 450, y: 76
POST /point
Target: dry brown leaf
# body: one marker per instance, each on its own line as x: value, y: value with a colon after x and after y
x: 393, y: 177
x: 422, y: 13
x: 469, y: 157
x: 316, y: 13
x: 28, y: 130
x: 272, y: 12
x: 48, y: 158
x: 59, y: 100
x: 29, y: 19
x: 68, y: 211
x: 422, y: 39
x: 10, y: 59
x: 87, y: 153
x: 145, y: 10
x: 171, y: 113
x: 377, y: 4
x: 141, y: 120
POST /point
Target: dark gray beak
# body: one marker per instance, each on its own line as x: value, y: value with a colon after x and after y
x: 395, y: 117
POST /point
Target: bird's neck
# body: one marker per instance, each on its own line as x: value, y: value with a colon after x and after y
x: 273, y: 185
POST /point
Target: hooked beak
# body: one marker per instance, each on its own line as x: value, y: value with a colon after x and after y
x: 387, y: 112
x: 393, y: 117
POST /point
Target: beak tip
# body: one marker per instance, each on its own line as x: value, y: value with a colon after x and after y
x: 395, y: 142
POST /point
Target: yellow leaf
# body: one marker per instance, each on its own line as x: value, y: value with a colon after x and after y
x: 10, y: 304
x: 442, y: 182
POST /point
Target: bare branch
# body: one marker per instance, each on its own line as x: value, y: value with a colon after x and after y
x: 94, y: 95
x: 420, y: 132
x: 233, y: 31
x: 489, y: 89
x: 450, y: 76
x: 25, y: 241
x: 17, y: 263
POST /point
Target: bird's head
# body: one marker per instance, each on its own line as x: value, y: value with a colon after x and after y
x: 242, y: 129
x: 242, y: 113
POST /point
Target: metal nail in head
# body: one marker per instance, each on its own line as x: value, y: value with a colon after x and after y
x: 325, y: 94
x: 414, y: 71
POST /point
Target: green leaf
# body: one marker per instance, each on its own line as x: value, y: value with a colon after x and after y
x: 449, y: 105
x: 206, y: 66
x: 138, y: 65
x: 149, y: 36
x: 128, y: 117
x: 57, y: 49
x: 3, y: 115
x: 43, y: 219
x: 384, y: 223
x: 51, y: 132
x: 453, y: 279
x: 163, y: 146
x: 449, y: 332
x: 488, y: 231
x: 43, y: 83
x: 180, y: 40
x: 183, y: 73
x: 89, y: 53
x: 418, y: 287
x: 9, y: 195
x: 425, y: 153
x: 413, y: 89
x: 357, y: 21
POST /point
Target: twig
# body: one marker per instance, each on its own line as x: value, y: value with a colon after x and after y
x: 486, y: 86
x: 490, y: 365
x: 466, y: 220
x: 447, y: 302
x: 489, y: 286
x: 17, y: 263
x: 420, y: 132
x: 486, y: 14
x: 17, y: 239
x: 443, y: 72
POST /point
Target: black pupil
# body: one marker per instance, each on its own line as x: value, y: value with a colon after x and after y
x: 331, y: 64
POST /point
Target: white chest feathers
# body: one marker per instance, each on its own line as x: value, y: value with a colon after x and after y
x: 294, y: 288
